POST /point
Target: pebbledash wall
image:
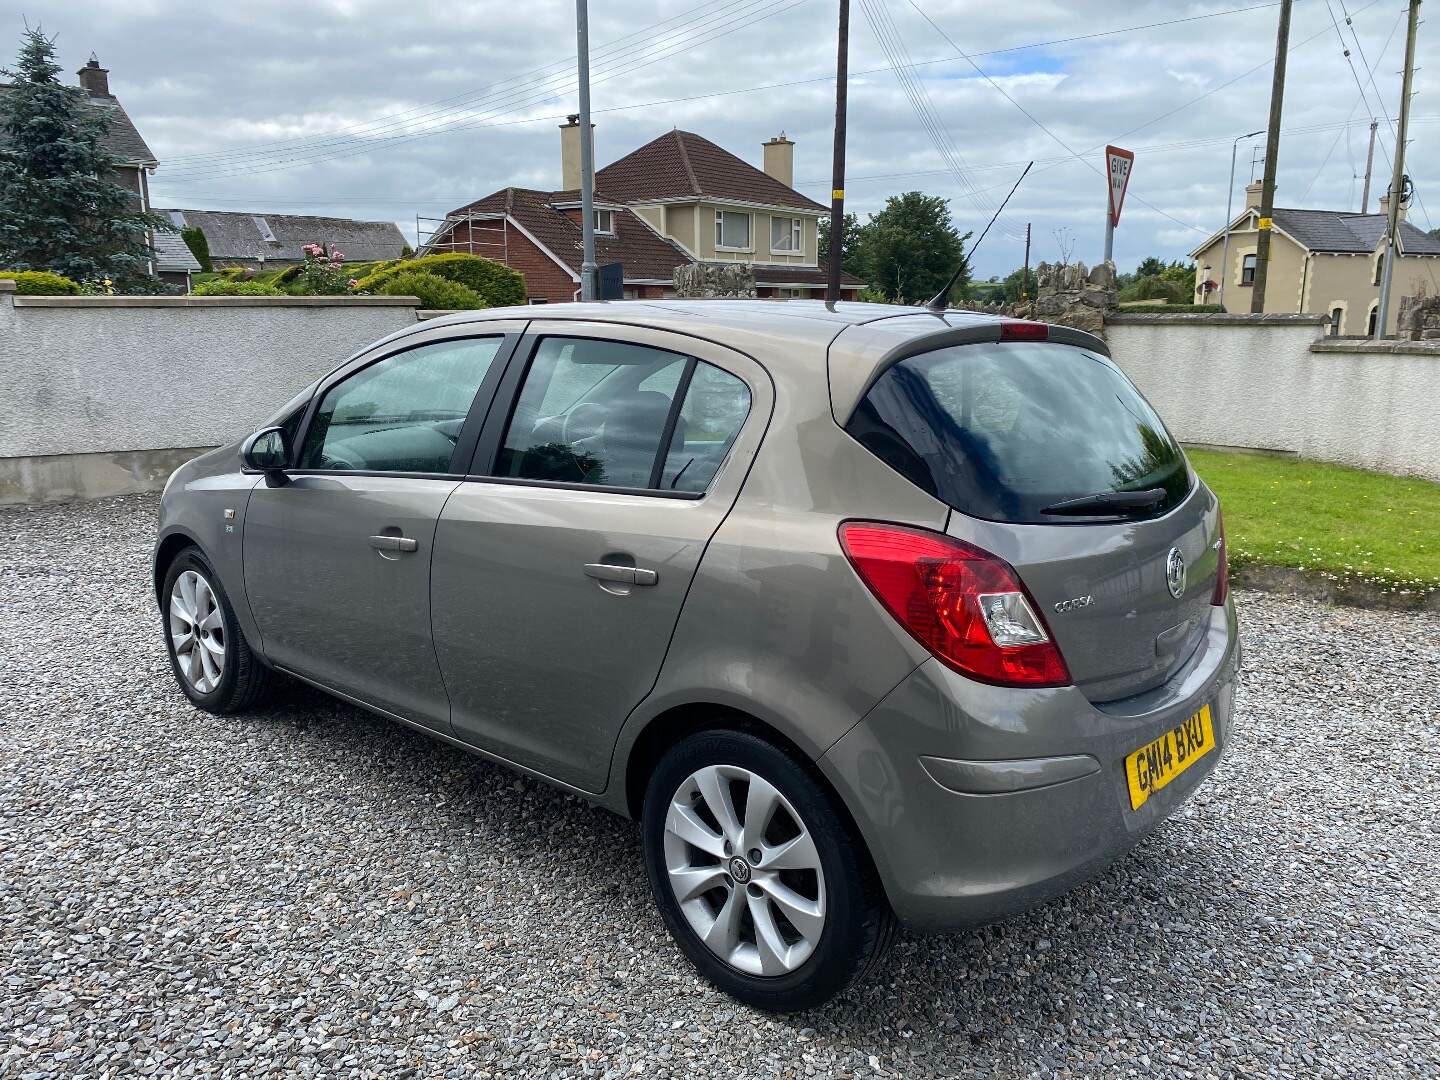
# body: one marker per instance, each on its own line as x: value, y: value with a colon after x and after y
x: 105, y: 395
x: 1276, y: 382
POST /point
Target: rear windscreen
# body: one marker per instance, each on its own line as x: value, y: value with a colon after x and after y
x: 1004, y: 430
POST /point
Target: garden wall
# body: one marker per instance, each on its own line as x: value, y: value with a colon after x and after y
x: 103, y: 395
x: 1273, y: 382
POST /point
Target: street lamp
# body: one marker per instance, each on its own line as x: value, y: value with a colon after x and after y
x: 1229, y: 205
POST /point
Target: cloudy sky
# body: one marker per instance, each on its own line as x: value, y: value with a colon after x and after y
x: 386, y: 110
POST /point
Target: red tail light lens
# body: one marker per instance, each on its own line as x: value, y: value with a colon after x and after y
x: 1222, y: 568
x: 962, y: 603
x: 1024, y: 331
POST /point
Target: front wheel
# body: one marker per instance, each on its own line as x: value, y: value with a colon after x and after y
x: 211, y: 659
x: 758, y: 874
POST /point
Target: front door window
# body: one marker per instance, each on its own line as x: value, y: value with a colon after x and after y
x: 401, y: 414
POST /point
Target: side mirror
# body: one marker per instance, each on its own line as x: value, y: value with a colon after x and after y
x: 267, y: 451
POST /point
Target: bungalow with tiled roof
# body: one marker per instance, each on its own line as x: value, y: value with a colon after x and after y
x: 676, y: 200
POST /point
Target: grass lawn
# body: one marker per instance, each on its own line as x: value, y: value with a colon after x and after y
x: 1329, y: 518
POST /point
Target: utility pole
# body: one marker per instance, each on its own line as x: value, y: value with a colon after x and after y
x: 837, y: 169
x: 1272, y: 155
x: 1025, y: 276
x: 587, y: 156
x: 1229, y: 216
x: 1393, y: 248
x: 1369, y: 161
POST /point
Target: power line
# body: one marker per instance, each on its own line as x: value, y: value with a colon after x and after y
x: 278, y: 146
x: 755, y: 11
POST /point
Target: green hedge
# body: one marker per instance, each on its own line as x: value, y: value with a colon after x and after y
x: 199, y: 247
x: 434, y: 291
x: 41, y: 283
x: 1171, y: 309
x: 227, y: 287
x: 494, y: 283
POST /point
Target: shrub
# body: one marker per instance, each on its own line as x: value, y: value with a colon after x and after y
x: 227, y: 287
x: 199, y: 247
x: 1171, y: 309
x: 234, y: 273
x: 434, y: 291
x: 41, y: 283
x: 1157, y: 288
x: 321, y: 274
x: 494, y: 283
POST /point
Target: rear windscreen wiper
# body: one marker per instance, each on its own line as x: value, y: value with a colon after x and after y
x: 1109, y: 502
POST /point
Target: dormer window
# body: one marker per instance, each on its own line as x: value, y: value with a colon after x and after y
x: 605, y: 222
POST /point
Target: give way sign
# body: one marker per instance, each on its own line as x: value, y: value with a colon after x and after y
x: 1117, y: 167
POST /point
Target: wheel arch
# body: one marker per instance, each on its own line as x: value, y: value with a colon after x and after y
x: 167, y: 549
x: 678, y: 722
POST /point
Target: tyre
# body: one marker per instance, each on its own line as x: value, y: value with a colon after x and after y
x: 758, y: 874
x: 211, y: 659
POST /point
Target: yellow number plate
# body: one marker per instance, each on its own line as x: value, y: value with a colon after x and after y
x: 1154, y: 765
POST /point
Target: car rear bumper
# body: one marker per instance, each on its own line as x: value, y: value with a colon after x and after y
x: 978, y: 801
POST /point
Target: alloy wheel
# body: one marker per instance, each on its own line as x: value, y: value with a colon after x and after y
x: 745, y: 870
x: 197, y: 632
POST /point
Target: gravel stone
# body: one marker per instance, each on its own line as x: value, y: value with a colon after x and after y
x: 313, y: 892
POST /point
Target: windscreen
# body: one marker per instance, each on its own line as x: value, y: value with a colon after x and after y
x: 1006, y: 431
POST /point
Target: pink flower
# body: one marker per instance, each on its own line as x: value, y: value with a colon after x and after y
x: 352, y: 283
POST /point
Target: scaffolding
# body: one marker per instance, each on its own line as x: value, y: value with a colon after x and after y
x: 473, y: 234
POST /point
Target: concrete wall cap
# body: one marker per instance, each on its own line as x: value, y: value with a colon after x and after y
x: 7, y: 285
x: 111, y: 302
x: 1136, y: 318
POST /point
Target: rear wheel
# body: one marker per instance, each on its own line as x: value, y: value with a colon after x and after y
x: 758, y: 875
x: 211, y: 659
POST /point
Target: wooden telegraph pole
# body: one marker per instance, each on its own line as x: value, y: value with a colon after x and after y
x: 1272, y: 155
x: 837, y: 172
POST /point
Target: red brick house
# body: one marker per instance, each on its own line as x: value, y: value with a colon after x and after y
x: 678, y: 199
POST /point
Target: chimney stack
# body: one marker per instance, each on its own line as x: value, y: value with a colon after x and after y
x: 1252, y: 195
x: 570, y: 152
x: 94, y: 79
x: 1385, y: 207
x: 780, y: 160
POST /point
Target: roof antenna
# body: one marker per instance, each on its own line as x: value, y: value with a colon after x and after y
x: 940, y: 301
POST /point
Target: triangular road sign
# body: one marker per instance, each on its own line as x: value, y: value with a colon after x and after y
x: 1118, y: 164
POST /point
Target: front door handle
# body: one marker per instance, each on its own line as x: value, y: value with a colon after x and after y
x: 394, y: 543
x: 625, y: 575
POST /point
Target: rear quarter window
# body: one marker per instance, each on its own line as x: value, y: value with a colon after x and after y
x: 1003, y: 430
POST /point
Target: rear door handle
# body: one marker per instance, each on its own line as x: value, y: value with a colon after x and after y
x: 394, y: 543
x: 626, y: 575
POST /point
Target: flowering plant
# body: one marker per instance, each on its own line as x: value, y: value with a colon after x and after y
x: 323, y: 273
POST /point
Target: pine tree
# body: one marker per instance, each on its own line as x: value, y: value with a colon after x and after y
x: 60, y: 209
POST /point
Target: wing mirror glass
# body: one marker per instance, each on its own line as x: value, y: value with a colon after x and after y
x: 266, y: 451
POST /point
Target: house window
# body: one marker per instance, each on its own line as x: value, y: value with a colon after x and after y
x: 1337, y: 316
x: 787, y: 235
x: 732, y: 230
x: 1371, y: 322
x: 1247, y: 270
x: 605, y: 221
x: 1379, y: 268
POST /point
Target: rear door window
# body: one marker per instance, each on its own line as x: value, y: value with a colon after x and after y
x: 1004, y: 431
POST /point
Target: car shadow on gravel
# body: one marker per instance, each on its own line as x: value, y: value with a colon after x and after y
x: 1150, y: 924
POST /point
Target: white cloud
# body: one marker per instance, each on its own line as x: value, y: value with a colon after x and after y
x: 215, y: 79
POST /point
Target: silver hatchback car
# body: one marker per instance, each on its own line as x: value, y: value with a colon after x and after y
x: 870, y: 615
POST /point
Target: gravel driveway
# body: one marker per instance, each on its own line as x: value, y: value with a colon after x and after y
x: 314, y: 892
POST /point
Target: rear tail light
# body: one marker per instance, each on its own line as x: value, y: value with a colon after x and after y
x: 1222, y: 567
x: 1024, y: 331
x: 965, y: 605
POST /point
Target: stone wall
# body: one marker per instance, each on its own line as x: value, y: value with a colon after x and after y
x: 102, y: 394
x: 1072, y: 295
x: 713, y: 281
x: 1419, y: 318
